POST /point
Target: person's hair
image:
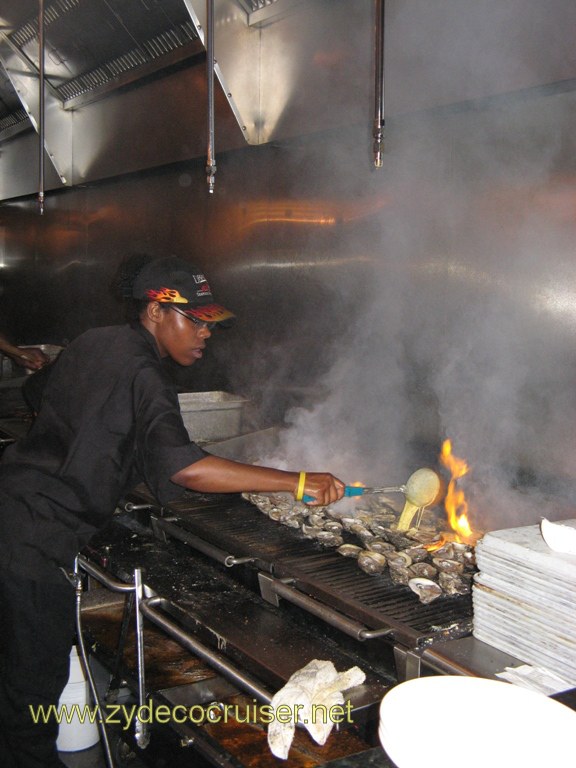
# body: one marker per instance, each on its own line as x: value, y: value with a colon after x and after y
x: 123, y: 283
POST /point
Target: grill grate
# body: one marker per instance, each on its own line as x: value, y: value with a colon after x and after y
x: 376, y: 600
x: 242, y: 530
x: 325, y: 575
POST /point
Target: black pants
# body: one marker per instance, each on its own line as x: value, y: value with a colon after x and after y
x: 36, y: 635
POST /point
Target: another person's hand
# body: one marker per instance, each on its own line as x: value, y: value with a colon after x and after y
x: 323, y: 487
x: 31, y: 358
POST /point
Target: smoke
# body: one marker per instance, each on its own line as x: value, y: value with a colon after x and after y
x: 465, y: 331
x: 461, y: 320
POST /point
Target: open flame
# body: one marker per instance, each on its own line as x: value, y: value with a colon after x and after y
x: 455, y: 502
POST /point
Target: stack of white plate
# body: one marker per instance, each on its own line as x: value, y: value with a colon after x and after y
x: 451, y: 722
x: 524, y: 597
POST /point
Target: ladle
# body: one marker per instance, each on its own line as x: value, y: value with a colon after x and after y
x: 421, y: 489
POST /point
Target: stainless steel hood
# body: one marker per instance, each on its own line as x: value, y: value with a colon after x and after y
x: 94, y: 46
x: 124, y: 72
x: 91, y: 48
x: 125, y: 80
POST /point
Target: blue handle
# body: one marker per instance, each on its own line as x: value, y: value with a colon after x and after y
x: 349, y: 490
x: 354, y: 490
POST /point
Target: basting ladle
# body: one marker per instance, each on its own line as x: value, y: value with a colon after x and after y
x: 421, y: 489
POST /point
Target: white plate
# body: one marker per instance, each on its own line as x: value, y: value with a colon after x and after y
x: 560, y: 538
x: 452, y: 721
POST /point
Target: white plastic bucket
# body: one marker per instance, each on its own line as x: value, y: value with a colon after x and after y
x: 79, y: 733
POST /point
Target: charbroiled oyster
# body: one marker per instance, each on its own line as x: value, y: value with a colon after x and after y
x: 426, y: 589
x: 371, y: 562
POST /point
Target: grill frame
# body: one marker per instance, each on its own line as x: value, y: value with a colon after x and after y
x: 242, y: 533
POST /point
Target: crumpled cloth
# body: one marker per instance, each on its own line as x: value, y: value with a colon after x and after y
x: 308, y: 690
x: 535, y: 678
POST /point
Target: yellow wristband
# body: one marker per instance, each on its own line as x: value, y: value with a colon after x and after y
x: 301, y: 483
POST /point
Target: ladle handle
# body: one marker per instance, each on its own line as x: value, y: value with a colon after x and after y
x: 360, y: 490
x: 349, y: 490
x: 388, y: 489
x: 354, y: 490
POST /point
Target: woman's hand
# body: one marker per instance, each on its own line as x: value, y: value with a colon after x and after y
x: 322, y: 487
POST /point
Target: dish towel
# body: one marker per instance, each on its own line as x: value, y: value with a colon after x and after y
x: 308, y: 697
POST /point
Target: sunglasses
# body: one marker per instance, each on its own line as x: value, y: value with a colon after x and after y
x: 200, y: 323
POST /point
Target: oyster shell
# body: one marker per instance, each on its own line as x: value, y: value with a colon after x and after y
x: 398, y: 539
x: 361, y: 531
x: 400, y: 574
x: 470, y: 560
x: 424, y: 537
x: 378, y: 528
x: 445, y: 551
x: 426, y: 589
x: 399, y: 558
x: 329, y: 539
x: 448, y: 566
x: 349, y: 550
x: 417, y: 554
x: 316, y: 520
x: 371, y: 562
x: 311, y: 531
x: 379, y: 545
x: 454, y: 584
x: 291, y: 522
x: 424, y: 570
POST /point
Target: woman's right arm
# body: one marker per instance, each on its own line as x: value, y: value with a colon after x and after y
x: 213, y: 474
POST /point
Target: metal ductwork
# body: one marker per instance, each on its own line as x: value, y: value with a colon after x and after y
x: 126, y: 74
x: 91, y: 49
x: 126, y: 88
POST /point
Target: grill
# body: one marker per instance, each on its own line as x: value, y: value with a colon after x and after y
x: 235, y: 533
x: 257, y: 601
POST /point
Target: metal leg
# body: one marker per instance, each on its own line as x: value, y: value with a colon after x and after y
x: 408, y: 663
x: 116, y: 680
x: 142, y: 731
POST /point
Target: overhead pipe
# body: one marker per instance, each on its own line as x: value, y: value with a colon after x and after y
x: 41, y: 126
x: 210, y: 158
x: 378, y: 131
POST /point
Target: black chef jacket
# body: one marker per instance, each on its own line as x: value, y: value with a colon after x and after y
x: 109, y: 420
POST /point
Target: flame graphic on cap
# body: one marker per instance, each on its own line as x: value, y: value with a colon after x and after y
x: 167, y: 295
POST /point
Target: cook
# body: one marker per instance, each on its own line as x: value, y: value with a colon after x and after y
x: 108, y: 419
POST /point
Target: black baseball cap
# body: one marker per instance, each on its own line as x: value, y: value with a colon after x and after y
x: 174, y: 281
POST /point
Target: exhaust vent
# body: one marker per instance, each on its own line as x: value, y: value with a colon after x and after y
x: 115, y: 70
x: 18, y: 117
x: 255, y: 5
x: 52, y: 13
x: 261, y: 12
x: 96, y: 48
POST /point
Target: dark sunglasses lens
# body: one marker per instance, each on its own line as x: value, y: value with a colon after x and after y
x: 202, y: 323
x: 195, y: 320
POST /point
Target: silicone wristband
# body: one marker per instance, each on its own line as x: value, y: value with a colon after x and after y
x: 301, y: 483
